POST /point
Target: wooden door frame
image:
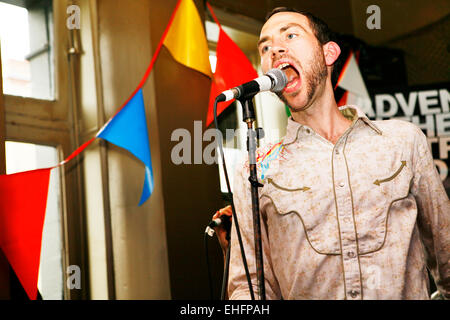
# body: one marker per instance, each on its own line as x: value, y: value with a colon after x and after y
x: 4, y: 265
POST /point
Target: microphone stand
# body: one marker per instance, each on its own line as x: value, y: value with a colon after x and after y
x: 252, y: 136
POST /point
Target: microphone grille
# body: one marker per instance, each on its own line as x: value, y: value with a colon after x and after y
x: 279, y: 79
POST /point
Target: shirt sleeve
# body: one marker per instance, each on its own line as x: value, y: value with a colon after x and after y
x: 238, y: 288
x: 433, y: 213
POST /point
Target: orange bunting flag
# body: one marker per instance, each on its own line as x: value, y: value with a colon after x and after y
x: 186, y: 38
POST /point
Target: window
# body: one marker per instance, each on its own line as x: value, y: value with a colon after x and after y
x: 212, y: 61
x: 44, y: 116
x: 27, y: 60
x: 26, y: 156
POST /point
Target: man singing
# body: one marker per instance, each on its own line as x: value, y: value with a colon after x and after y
x: 350, y: 208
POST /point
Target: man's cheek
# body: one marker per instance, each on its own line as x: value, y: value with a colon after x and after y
x: 265, y: 64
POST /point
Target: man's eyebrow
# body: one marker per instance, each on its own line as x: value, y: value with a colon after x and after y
x: 282, y: 29
x: 263, y: 39
x: 290, y: 25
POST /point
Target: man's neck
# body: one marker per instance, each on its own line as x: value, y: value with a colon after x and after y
x: 324, y: 117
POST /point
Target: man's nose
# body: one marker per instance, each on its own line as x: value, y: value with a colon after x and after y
x: 278, y: 49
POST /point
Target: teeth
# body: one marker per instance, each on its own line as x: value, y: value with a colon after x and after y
x: 283, y: 65
x: 292, y: 85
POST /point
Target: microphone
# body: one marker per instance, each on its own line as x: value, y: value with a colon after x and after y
x: 274, y: 80
x: 222, y: 220
x: 219, y: 221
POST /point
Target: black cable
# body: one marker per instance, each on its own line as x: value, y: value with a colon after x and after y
x: 235, y: 220
x: 208, y: 267
x: 244, y: 259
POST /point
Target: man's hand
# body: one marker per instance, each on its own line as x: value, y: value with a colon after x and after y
x: 437, y: 296
x: 221, y: 231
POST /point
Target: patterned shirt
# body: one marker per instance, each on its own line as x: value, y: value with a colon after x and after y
x: 361, y: 219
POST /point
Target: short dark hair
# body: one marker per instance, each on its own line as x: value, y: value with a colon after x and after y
x: 319, y: 27
x: 322, y: 32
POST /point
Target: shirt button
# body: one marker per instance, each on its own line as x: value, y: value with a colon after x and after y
x: 308, y: 131
x: 342, y: 184
x: 337, y: 151
x: 354, y: 293
x: 350, y: 254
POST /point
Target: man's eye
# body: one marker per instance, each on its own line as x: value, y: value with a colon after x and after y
x: 265, y: 49
x: 291, y: 36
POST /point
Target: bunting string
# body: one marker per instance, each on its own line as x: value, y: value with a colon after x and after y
x: 23, y: 196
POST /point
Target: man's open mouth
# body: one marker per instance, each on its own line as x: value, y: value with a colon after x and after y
x: 292, y: 75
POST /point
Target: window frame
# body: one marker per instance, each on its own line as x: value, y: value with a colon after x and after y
x: 52, y: 122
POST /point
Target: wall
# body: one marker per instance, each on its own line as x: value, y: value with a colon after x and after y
x: 337, y: 14
x: 398, y: 18
x: 426, y: 64
x: 418, y: 28
x: 191, y: 192
x: 139, y: 249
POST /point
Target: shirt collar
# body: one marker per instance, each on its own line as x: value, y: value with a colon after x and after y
x: 351, y: 112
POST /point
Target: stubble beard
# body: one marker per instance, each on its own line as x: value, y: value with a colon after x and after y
x: 313, y: 77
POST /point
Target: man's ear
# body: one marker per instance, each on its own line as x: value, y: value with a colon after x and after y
x: 331, y: 51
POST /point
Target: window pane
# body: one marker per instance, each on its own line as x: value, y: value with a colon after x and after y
x: 27, y: 156
x: 213, y: 61
x: 26, y: 50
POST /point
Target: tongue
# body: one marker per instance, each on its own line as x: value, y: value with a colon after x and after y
x: 291, y: 73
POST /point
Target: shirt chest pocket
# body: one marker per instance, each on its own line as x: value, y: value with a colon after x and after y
x: 394, y: 183
x: 378, y: 197
x: 290, y: 206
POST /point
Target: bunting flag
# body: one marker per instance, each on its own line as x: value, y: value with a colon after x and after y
x: 233, y: 68
x: 128, y: 130
x: 23, y: 196
x: 351, y: 80
x: 23, y: 200
x: 186, y: 39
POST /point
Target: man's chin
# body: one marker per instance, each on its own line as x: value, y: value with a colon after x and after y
x: 287, y: 100
x: 292, y: 102
x: 298, y: 108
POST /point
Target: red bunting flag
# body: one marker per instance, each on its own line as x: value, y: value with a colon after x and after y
x: 23, y: 200
x: 233, y: 68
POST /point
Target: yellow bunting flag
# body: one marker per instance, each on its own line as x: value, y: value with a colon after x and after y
x: 186, y: 39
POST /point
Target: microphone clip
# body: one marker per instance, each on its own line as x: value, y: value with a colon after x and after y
x: 209, y: 231
x: 254, y: 182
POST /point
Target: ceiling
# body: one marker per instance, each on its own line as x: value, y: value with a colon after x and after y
x: 398, y: 17
x: 337, y: 13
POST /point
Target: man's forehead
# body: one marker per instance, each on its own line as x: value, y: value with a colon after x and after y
x: 282, y: 19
